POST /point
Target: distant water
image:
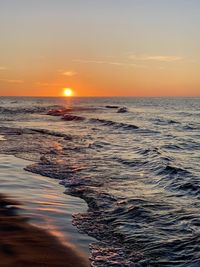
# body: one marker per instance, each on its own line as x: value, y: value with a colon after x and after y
x: 140, y: 173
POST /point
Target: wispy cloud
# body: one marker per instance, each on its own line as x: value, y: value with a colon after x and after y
x: 112, y: 63
x: 158, y: 58
x: 12, y: 81
x: 2, y: 68
x: 133, y: 60
x: 99, y: 62
x: 69, y: 73
x: 45, y: 84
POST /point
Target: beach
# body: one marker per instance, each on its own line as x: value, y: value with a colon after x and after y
x: 99, y: 133
x: 23, y: 244
x: 35, y: 218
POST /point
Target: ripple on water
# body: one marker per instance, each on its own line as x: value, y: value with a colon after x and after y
x: 141, y: 184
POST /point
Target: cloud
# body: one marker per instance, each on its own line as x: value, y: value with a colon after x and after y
x: 100, y: 62
x: 113, y: 63
x: 158, y: 58
x: 69, y: 73
x: 134, y: 60
x: 2, y: 68
x: 44, y: 84
x: 12, y: 81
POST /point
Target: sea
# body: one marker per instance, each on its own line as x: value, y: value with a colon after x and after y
x: 133, y: 163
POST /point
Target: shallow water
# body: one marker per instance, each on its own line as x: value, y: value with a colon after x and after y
x: 43, y: 201
x: 138, y: 171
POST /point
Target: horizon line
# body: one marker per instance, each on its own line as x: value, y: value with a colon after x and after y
x: 40, y: 96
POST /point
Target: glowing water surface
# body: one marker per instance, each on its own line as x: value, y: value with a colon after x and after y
x: 42, y: 200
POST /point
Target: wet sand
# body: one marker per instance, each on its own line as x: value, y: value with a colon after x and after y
x: 22, y: 244
x: 43, y: 201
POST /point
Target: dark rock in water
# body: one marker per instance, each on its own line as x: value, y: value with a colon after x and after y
x: 111, y: 106
x: 122, y: 110
x: 172, y: 122
x: 68, y: 117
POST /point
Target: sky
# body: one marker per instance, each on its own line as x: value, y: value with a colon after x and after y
x: 100, y: 47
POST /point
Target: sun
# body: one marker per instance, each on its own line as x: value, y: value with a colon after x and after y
x: 68, y: 92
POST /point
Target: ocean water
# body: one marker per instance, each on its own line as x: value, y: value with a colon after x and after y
x: 138, y: 170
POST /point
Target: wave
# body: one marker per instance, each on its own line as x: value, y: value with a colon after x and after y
x: 52, y: 110
x: 69, y: 117
x: 132, y: 163
x: 172, y: 170
x: 191, y: 187
x: 142, y: 195
x: 52, y: 133
x: 62, y: 111
x: 112, y: 107
x: 149, y: 228
x: 24, y: 110
x: 114, y: 124
x: 162, y: 172
x: 66, y: 115
x: 172, y: 147
x: 58, y: 112
x: 191, y: 127
x: 164, y: 121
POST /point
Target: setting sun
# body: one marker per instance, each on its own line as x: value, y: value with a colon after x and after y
x: 68, y: 92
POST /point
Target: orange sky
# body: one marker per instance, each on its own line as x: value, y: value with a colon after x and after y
x: 100, y: 48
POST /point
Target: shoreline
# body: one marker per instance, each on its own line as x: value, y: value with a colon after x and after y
x: 43, y: 200
x: 23, y: 244
x: 50, y: 156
